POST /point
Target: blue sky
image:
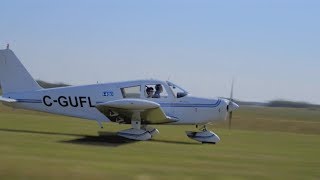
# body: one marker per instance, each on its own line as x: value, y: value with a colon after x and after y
x: 272, y: 48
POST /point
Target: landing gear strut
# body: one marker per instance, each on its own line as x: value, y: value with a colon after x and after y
x: 138, y: 131
x: 204, y: 136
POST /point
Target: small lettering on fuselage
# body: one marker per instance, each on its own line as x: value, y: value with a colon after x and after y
x: 63, y: 101
x: 107, y: 93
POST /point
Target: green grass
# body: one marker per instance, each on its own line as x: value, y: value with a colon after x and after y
x: 264, y: 143
x: 297, y: 120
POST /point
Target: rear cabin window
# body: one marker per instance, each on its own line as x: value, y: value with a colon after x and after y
x: 131, y: 92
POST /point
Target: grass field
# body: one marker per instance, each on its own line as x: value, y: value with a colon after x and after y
x: 264, y: 143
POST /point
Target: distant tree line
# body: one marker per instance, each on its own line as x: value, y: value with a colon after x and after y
x: 293, y: 104
x: 277, y: 103
x: 46, y: 85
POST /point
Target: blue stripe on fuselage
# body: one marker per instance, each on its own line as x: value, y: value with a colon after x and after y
x: 216, y: 104
x: 29, y: 100
x: 190, y: 105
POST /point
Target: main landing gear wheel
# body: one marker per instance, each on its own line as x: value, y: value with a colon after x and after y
x: 138, y: 132
x: 204, y: 136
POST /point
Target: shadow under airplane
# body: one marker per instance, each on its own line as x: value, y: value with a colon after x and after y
x: 174, y: 142
x: 109, y: 139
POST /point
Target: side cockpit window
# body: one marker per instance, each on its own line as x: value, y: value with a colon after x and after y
x: 131, y: 92
x: 155, y: 91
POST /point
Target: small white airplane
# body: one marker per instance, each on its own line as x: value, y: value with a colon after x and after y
x: 139, y: 103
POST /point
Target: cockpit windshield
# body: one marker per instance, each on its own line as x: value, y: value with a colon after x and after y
x: 177, y: 91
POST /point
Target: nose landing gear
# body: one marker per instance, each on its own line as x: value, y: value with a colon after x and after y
x: 204, y: 136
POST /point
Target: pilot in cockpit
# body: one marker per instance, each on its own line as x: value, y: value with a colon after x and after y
x: 149, y: 91
x: 158, y: 91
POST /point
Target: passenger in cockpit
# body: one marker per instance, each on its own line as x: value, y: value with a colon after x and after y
x: 158, y: 91
x: 149, y: 91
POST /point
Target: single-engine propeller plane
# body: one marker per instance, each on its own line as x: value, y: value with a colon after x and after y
x: 140, y: 103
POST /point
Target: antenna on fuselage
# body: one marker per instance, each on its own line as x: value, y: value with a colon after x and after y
x: 169, y: 77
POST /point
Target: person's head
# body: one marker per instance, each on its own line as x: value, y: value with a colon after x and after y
x: 149, y: 91
x: 159, y: 88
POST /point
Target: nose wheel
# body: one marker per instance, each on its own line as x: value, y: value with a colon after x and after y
x: 202, y: 128
x: 204, y: 136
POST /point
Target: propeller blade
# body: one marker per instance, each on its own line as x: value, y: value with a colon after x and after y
x: 230, y: 118
x: 230, y: 101
x: 231, y: 93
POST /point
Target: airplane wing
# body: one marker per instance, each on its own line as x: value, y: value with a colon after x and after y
x: 121, y: 111
x: 8, y: 100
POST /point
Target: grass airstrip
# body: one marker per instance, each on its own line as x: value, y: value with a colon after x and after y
x: 264, y: 143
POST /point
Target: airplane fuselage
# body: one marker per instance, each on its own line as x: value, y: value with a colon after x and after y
x: 80, y: 101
